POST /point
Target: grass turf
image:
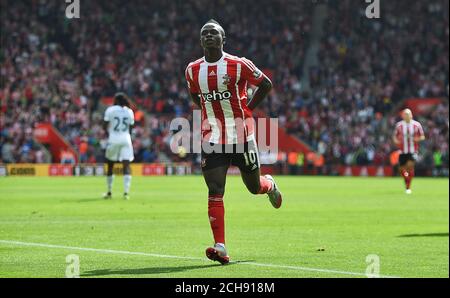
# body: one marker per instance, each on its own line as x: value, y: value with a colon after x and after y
x: 325, y: 223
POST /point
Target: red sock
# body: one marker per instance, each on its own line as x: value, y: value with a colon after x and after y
x: 266, y: 185
x: 410, y: 178
x: 216, y: 213
x: 407, y: 177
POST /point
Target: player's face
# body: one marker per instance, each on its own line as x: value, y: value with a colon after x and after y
x: 210, y: 37
x: 407, y: 116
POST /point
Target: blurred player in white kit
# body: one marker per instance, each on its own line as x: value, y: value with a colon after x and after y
x: 119, y: 120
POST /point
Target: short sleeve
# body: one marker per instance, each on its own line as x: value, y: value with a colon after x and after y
x: 420, y: 128
x: 107, y: 115
x: 188, y: 73
x: 397, y: 131
x: 130, y: 111
x: 251, y: 73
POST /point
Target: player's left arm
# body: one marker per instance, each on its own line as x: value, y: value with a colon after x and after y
x: 421, y: 136
x: 131, y: 128
x: 257, y: 78
x: 132, y: 122
x: 105, y: 128
x: 106, y: 120
x: 261, y: 92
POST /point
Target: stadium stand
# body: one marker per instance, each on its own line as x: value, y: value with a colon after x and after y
x: 58, y: 70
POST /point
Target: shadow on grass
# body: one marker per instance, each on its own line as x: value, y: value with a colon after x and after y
x: 150, y: 270
x: 424, y: 235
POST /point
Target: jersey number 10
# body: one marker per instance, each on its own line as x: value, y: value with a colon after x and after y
x: 250, y: 157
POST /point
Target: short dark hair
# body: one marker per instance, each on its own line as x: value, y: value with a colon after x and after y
x: 121, y: 99
x: 212, y: 21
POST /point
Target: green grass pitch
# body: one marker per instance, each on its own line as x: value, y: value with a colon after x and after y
x: 325, y: 228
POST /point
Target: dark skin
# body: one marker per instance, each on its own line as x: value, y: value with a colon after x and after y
x: 212, y: 39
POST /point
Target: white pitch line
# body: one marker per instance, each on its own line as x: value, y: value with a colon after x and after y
x: 98, y: 250
x: 111, y: 251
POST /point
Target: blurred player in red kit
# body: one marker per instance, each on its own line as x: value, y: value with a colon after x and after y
x: 407, y: 136
x: 217, y: 84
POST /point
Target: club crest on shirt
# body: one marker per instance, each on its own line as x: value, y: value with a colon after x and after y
x: 226, y: 79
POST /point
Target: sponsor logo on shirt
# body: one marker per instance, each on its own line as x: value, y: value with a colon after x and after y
x: 215, y: 95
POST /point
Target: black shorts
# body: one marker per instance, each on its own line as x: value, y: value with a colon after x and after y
x: 405, y: 157
x: 244, y: 156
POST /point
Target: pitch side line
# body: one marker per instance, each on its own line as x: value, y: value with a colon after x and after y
x: 124, y: 252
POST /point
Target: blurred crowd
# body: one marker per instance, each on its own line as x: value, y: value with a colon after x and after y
x: 57, y: 70
x: 367, y: 67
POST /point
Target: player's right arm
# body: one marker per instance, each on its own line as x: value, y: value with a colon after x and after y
x: 196, y: 99
x: 395, y: 135
x: 194, y: 93
x: 106, y: 120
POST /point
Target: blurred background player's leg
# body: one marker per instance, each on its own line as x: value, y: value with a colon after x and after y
x: 410, y: 170
x: 126, y: 179
x: 406, y: 170
x: 109, y: 178
x: 404, y: 173
x: 111, y: 155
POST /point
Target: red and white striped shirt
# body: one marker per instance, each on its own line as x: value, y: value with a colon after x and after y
x: 222, y: 86
x: 405, y: 133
